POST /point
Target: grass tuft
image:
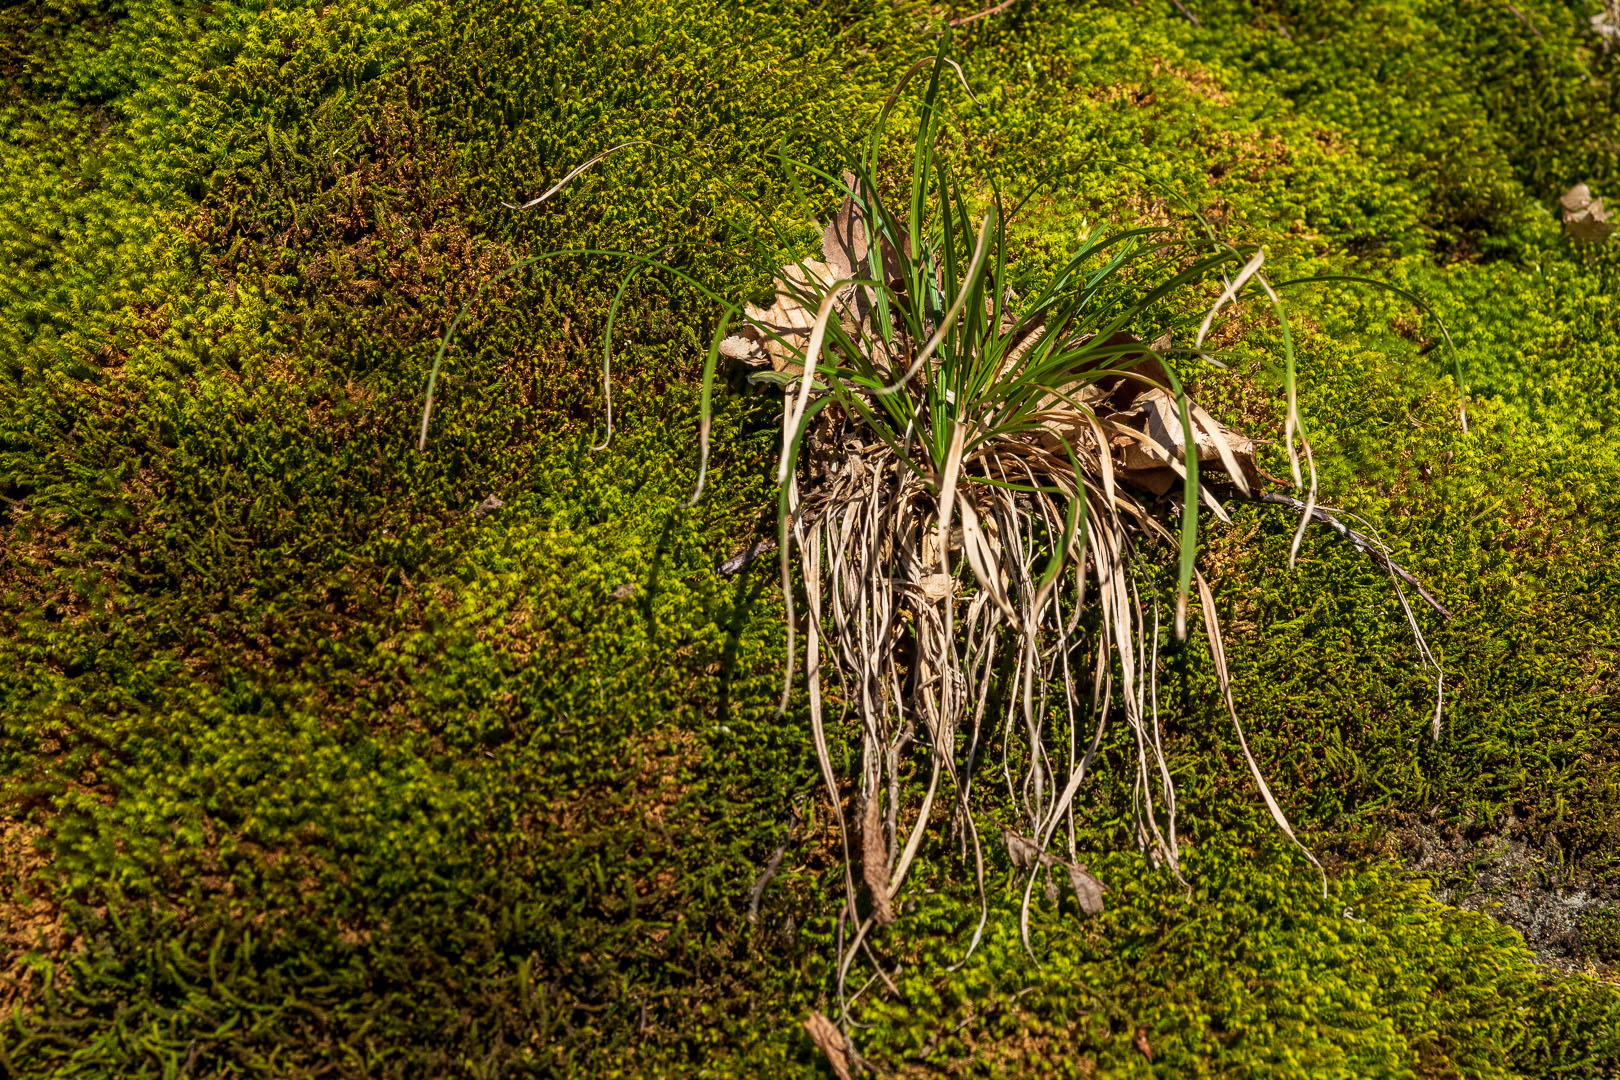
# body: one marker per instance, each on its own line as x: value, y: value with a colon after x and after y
x: 977, y: 491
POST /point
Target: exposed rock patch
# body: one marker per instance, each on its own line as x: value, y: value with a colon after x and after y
x: 1568, y: 920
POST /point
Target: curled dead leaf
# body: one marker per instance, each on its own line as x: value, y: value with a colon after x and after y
x: 1585, y: 219
x: 843, y: 241
x: 1087, y: 890
x: 936, y: 587
x: 1149, y: 444
x: 1022, y: 849
x: 1576, y: 199
x: 778, y: 335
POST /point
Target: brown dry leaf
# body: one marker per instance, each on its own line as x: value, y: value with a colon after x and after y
x: 1576, y: 199
x: 788, y: 318
x: 1584, y: 216
x: 1163, y: 425
x: 1022, y: 849
x: 1150, y: 444
x: 1087, y: 890
x: 825, y: 1034
x: 844, y: 250
x: 936, y: 587
x: 843, y: 241
x: 1133, y: 366
x: 1591, y: 226
x: 1026, y: 854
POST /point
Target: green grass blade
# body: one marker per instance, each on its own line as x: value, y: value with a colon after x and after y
x: 1417, y: 302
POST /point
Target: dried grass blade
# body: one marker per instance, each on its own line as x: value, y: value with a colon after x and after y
x: 1228, y: 295
x: 947, y: 495
x: 1218, y: 654
x: 983, y: 561
x: 1217, y: 435
x: 559, y: 185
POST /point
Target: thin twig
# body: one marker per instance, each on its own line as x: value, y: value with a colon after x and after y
x: 772, y: 864
x: 1195, y: 20
x: 985, y: 14
x: 733, y: 566
x: 1521, y: 17
x: 758, y: 891
x: 559, y: 185
x: 1362, y: 543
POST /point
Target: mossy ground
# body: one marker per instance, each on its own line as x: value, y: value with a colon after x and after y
x: 307, y: 770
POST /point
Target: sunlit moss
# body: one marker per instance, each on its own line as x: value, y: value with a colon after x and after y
x: 336, y: 775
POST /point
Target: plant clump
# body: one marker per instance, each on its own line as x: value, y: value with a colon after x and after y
x: 978, y: 490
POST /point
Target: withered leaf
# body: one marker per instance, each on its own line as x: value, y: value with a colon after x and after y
x: 1576, y: 199
x: 1584, y: 216
x: 843, y: 241
x: 1133, y: 365
x: 936, y: 587
x: 1026, y: 854
x: 1087, y: 889
x: 789, y: 319
x: 1022, y: 849
x: 1591, y: 225
x: 1150, y: 442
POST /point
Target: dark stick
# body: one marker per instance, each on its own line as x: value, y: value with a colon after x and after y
x: 1195, y: 20
x: 757, y: 893
x: 732, y: 566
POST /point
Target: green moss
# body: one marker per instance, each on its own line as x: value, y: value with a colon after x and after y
x: 1599, y: 931
x: 336, y: 777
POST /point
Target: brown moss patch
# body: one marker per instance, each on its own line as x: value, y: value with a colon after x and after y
x: 32, y: 933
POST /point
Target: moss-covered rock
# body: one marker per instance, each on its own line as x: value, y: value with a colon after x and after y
x: 309, y: 770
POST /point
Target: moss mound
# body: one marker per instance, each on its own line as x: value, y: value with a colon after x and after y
x: 307, y: 769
